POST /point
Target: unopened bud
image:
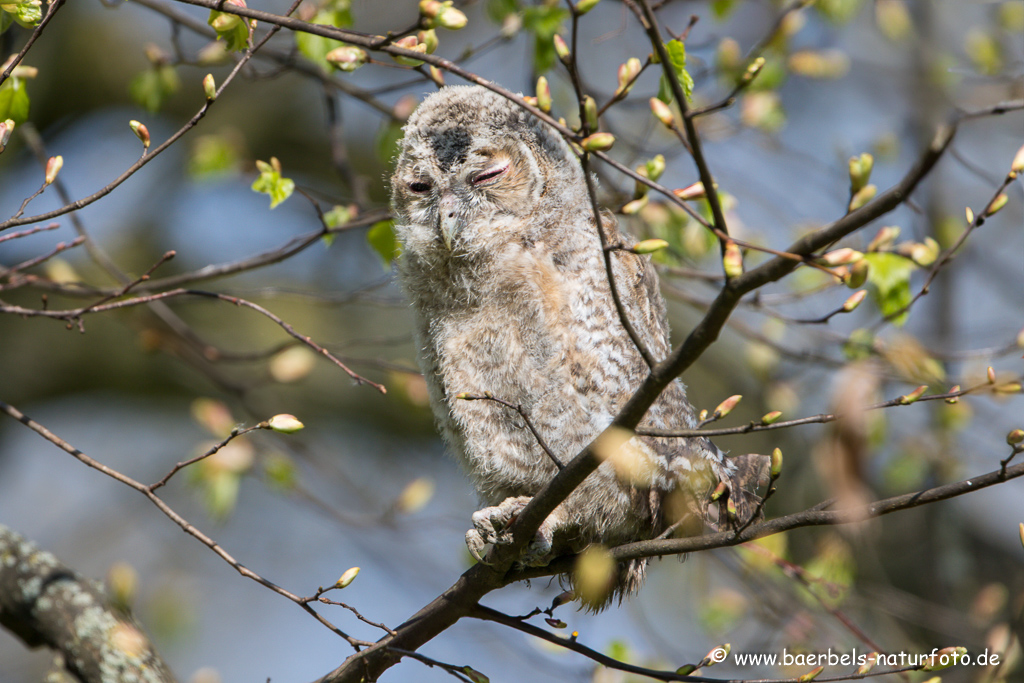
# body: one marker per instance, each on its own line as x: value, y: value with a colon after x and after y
x: 732, y: 260
x: 598, y: 142
x: 730, y: 508
x: 141, y: 132
x: 649, y: 246
x: 348, y: 577
x: 655, y: 167
x: 347, y: 57
x: 1015, y: 437
x: 860, y: 171
x: 409, y: 43
x: 858, y: 274
x: 907, y: 399
x: 210, y: 88
x: 841, y: 257
x: 1017, y: 166
x: 862, y: 197
x: 854, y: 300
x: 584, y: 6
x: 997, y: 203
x: 6, y: 128
x: 285, y: 423
x: 868, y: 664
x: 726, y: 406
x: 562, y: 50
x: 991, y: 374
x: 428, y: 38
x: 635, y: 207
x: 703, y: 415
x: 590, y: 112
x: 771, y: 418
x: 628, y: 73
x: 543, y: 95
x: 776, y: 468
x: 944, y: 658
x: 451, y: 18
x: 970, y: 215
x: 953, y: 390
x: 53, y: 166
x: 1021, y: 529
x: 753, y: 70
x: 691, y: 192
x: 687, y: 669
x: 884, y: 238
x: 1009, y: 388
x: 430, y: 8
x: 662, y: 112
x: 437, y: 76
x: 719, y: 490
x: 811, y: 675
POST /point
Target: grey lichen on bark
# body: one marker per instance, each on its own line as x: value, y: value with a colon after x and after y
x: 46, y: 603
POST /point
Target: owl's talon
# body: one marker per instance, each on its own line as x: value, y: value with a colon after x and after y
x: 476, y: 544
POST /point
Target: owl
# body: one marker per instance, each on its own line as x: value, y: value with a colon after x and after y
x: 503, y: 263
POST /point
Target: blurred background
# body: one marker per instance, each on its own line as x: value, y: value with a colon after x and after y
x: 367, y: 482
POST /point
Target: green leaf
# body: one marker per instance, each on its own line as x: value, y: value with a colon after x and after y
x: 859, y: 344
x: 151, y: 88
x: 315, y: 48
x: 722, y: 8
x: 213, y: 156
x: 271, y: 183
x: 475, y: 675
x: 889, y: 277
x: 544, y: 22
x: 677, y: 56
x: 497, y: 10
x: 381, y: 237
x: 231, y: 28
x: 14, y: 100
x: 27, y: 13
x: 280, y: 472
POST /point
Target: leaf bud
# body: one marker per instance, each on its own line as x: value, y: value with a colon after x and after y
x: 598, y: 142
x: 841, y: 257
x: 719, y: 490
x: 854, y: 300
x: 348, y: 577
x: 451, y: 18
x: 662, y: 112
x: 907, y: 399
x: 703, y: 415
x: 860, y: 171
x: 726, y: 406
x: 437, y: 76
x: 655, y: 167
x: 590, y: 112
x: 753, y: 70
x: 628, y: 73
x: 944, y: 658
x: 970, y: 215
x: 141, y: 132
x: 53, y: 166
x: 428, y: 38
x: 884, y: 238
x: 648, y: 246
x: 1017, y: 166
x: 858, y: 274
x: 210, y: 88
x: 996, y: 204
x: 869, y: 663
x: 285, y: 423
x: 635, y: 207
x: 732, y: 260
x: 953, y: 390
x: 771, y: 418
x: 862, y: 197
x: 1009, y: 388
x: 691, y: 192
x: 562, y: 50
x: 776, y: 468
x: 1015, y: 437
x: 811, y: 675
x: 991, y: 375
x: 6, y: 128
x: 543, y: 94
x: 409, y: 43
x: 347, y: 57
x: 584, y: 6
x: 430, y: 8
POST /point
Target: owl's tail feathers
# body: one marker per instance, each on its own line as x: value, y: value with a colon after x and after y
x: 741, y: 475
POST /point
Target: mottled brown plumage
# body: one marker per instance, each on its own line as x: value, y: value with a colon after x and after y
x: 503, y: 262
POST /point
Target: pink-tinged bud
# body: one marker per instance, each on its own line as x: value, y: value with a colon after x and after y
x: 347, y: 57
x: 732, y: 261
x: 1015, y: 437
x: 530, y: 100
x: 543, y: 95
x: 662, y: 112
x: 862, y: 197
x: 970, y: 215
x: 841, y: 257
x: 584, y: 6
x: 811, y: 675
x: 409, y: 43
x: 730, y: 509
x: 285, y: 423
x: 771, y: 418
x: 649, y: 246
x: 997, y: 203
x: 953, y: 390
x: 627, y: 76
x: 141, y: 132
x: 437, y: 76
x: 430, y: 8
x: 210, y: 88
x: 869, y: 664
x: 6, y: 128
x: 719, y: 490
x: 53, y: 166
x: 884, y: 238
x: 598, y: 142
x: 907, y: 399
x: 726, y: 406
x: 451, y: 18
x: 1009, y: 388
x: 1018, y: 161
x: 753, y: 70
x: 854, y: 300
x: 944, y: 658
x: 348, y: 577
x: 691, y: 192
x: 703, y: 415
x: 776, y: 468
x: 634, y: 207
x: 562, y: 50
x: 428, y: 38
x: 991, y: 374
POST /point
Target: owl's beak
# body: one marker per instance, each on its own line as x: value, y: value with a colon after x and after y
x: 450, y: 222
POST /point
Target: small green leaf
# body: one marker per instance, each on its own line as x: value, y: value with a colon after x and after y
x: 212, y: 157
x: 14, y: 100
x: 475, y: 675
x: 151, y: 88
x: 270, y: 182
x: 677, y: 55
x: 544, y: 21
x: 27, y: 13
x: 231, y: 28
x: 722, y: 8
x: 382, y: 238
x: 314, y: 47
x: 889, y: 277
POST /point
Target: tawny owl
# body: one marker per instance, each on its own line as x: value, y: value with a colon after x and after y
x: 503, y: 262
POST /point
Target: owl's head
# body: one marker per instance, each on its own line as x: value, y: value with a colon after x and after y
x: 476, y: 170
